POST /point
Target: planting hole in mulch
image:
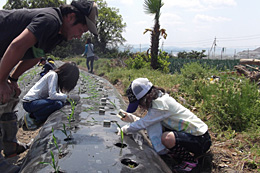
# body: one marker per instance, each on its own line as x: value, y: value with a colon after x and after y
x: 120, y: 145
x: 130, y: 163
x: 68, y: 139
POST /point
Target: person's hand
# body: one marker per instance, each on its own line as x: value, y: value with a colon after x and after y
x: 123, y: 129
x: 5, y: 92
x: 74, y: 97
x: 129, y: 118
x: 14, y: 86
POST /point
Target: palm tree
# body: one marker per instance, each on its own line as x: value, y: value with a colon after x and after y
x: 153, y: 7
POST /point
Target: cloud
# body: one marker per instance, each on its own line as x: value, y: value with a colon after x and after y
x: 182, y: 3
x: 124, y: 2
x: 200, y: 18
x: 199, y: 5
x: 141, y: 22
x: 219, y: 3
x: 171, y: 19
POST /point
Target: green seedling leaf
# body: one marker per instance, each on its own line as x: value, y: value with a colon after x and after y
x: 55, y: 141
x: 121, y: 133
x: 64, y: 130
x: 112, y: 103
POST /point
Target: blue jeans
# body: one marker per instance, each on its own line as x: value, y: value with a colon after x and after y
x: 91, y: 61
x: 42, y: 109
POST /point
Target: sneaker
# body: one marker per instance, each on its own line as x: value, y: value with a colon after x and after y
x: 30, y: 122
x: 185, y: 166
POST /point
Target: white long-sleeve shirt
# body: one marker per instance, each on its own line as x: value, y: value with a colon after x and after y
x: 168, y: 112
x: 172, y: 115
x: 46, y: 88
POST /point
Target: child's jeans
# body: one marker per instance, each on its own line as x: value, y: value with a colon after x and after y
x: 41, y: 109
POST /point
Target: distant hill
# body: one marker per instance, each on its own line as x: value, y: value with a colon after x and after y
x: 257, y: 49
x: 175, y: 50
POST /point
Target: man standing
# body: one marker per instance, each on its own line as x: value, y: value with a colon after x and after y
x: 25, y: 36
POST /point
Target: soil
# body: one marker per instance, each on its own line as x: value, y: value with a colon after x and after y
x: 225, y: 156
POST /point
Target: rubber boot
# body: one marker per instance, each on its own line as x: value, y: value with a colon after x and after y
x: 5, y: 166
x: 8, y: 124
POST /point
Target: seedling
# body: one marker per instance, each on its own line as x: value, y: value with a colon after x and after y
x: 131, y: 166
x: 73, y: 105
x: 53, y: 164
x: 88, y: 109
x: 121, y: 133
x: 68, y: 117
x: 112, y: 103
x: 55, y: 141
x: 65, y: 132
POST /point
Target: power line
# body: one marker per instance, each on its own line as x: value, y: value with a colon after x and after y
x: 220, y: 40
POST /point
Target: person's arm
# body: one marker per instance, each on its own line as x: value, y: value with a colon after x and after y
x: 86, y: 49
x: 11, y: 57
x: 153, y: 116
x: 52, y: 87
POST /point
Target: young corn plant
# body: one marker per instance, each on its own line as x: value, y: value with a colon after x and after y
x: 55, y: 142
x: 121, y: 134
x: 112, y: 103
x: 64, y: 131
x: 73, y: 105
x: 68, y: 118
x: 53, y: 164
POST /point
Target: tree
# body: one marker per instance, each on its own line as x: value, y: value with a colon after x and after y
x: 153, y: 7
x: 16, y: 4
x: 110, y: 27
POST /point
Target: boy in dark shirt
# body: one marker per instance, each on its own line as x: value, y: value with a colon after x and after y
x: 25, y: 36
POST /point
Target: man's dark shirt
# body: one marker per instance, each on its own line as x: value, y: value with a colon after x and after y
x: 44, y: 23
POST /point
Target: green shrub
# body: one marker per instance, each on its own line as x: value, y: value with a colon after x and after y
x: 232, y: 102
x: 141, y: 60
x: 137, y: 62
x: 163, y: 62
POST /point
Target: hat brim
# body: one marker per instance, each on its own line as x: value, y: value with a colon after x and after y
x: 91, y: 26
x: 132, y: 106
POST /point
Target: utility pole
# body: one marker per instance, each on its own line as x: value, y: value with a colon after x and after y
x: 214, y: 44
x: 162, y: 45
x: 222, y: 51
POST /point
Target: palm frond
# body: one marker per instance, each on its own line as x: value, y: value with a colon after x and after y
x: 153, y: 7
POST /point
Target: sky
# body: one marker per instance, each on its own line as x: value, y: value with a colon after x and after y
x: 193, y: 23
